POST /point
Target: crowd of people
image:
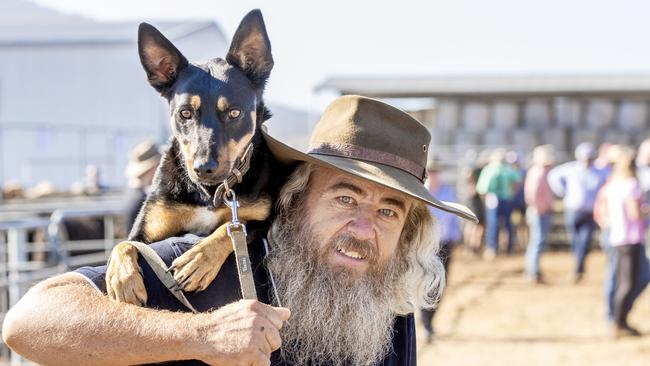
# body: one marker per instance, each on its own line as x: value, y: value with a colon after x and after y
x: 605, y: 190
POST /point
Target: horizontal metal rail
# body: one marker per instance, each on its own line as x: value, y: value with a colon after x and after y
x: 24, y: 263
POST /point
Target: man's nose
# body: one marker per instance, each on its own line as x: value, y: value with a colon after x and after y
x: 362, y: 224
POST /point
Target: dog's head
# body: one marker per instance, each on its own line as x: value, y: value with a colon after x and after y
x: 215, y: 106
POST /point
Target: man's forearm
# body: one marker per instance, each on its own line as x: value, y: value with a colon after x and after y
x: 64, y: 321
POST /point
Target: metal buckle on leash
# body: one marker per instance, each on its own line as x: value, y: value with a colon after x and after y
x: 233, y: 204
x: 237, y: 233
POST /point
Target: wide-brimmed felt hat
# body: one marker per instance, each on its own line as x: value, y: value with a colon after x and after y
x: 373, y: 141
x: 544, y: 155
x: 142, y: 158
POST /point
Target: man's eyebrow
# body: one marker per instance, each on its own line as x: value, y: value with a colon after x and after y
x: 346, y: 185
x: 395, y: 202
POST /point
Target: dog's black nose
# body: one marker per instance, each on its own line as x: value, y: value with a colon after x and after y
x: 205, y: 169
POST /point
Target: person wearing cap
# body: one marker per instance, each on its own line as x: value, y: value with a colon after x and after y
x: 143, y: 161
x: 539, y: 201
x: 448, y: 230
x: 352, y: 252
x: 578, y: 182
x: 498, y: 183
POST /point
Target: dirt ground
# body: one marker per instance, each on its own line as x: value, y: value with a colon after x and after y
x: 490, y: 315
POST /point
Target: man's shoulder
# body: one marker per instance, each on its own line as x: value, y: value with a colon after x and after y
x: 489, y: 169
x: 568, y: 166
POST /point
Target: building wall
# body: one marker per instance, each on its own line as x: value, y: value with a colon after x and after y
x: 521, y: 123
x: 63, y: 107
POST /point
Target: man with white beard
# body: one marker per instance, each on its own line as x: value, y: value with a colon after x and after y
x: 351, y: 252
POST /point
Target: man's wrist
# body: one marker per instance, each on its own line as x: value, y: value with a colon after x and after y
x: 195, y: 338
x: 186, y: 342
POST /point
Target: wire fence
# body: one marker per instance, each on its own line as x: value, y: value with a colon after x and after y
x: 35, y: 248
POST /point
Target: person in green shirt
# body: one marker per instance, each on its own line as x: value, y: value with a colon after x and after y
x: 498, y: 183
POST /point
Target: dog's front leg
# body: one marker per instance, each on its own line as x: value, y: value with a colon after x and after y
x: 123, y: 276
x: 157, y: 220
x: 197, y: 267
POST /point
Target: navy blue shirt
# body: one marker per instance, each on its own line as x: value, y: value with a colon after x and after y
x: 225, y: 289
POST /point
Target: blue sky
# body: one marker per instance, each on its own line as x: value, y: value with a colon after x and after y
x: 313, y: 40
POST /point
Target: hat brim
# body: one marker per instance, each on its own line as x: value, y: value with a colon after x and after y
x: 384, y: 175
x: 135, y: 170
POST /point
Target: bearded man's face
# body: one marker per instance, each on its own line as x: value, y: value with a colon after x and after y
x: 340, y: 205
x: 338, y: 263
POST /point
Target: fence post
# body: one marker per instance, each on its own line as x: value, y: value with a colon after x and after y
x: 16, y: 256
x: 109, y: 233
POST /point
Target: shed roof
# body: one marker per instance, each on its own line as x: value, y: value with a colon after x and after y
x: 428, y: 86
x: 26, y: 24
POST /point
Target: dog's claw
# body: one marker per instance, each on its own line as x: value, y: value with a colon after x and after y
x: 185, y: 282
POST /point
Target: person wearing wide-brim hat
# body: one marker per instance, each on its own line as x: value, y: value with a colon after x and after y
x: 543, y: 155
x: 539, y: 201
x: 351, y: 252
x: 144, y: 158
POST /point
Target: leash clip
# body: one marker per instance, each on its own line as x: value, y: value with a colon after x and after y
x: 233, y: 204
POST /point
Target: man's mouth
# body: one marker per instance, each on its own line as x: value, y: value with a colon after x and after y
x: 351, y: 254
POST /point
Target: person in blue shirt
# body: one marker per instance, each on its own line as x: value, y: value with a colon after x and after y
x: 578, y: 182
x: 339, y: 269
x: 448, y: 228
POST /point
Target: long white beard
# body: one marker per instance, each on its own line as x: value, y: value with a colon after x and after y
x: 336, y: 319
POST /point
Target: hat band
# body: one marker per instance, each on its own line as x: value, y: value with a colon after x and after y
x: 374, y: 156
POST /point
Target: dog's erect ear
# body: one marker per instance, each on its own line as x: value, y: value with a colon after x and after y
x: 250, y: 49
x: 160, y: 59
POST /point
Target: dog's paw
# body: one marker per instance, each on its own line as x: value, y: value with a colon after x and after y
x: 196, y: 268
x: 124, y: 277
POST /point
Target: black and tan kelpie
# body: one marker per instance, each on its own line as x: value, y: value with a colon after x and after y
x: 216, y: 111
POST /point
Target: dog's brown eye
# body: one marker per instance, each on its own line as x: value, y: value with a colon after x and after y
x: 234, y: 113
x: 186, y: 113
